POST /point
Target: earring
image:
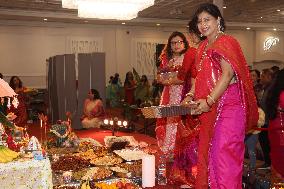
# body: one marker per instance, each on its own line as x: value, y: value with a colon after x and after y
x: 201, y: 35
x: 220, y: 28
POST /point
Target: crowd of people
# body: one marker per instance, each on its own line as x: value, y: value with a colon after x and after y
x: 135, y: 90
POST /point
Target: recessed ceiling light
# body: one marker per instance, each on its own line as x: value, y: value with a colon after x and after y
x: 123, y: 23
x: 248, y: 28
x: 224, y: 7
x: 274, y: 29
x: 261, y: 17
x: 45, y: 19
x: 187, y: 26
x: 158, y: 24
x: 86, y: 21
x: 278, y: 10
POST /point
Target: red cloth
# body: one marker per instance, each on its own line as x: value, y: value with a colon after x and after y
x: 208, y: 73
x: 20, y: 111
x: 129, y: 93
x: 276, y: 138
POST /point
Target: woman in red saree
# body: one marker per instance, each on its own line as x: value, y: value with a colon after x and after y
x: 21, y: 110
x: 176, y: 58
x: 276, y: 126
x: 226, y: 103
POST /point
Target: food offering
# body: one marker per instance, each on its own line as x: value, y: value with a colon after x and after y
x: 130, y: 155
x: 69, y: 162
x: 7, y: 155
x: 93, y: 173
x: 116, y: 184
x: 87, y: 155
x: 88, y: 143
x: 107, y: 161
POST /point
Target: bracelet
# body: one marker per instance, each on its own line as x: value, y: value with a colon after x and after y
x: 211, y: 98
x: 208, y: 103
x: 189, y: 94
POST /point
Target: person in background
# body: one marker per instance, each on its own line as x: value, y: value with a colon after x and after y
x: 177, y: 57
x: 226, y: 103
x: 275, y: 70
x: 21, y: 111
x: 275, y: 105
x: 142, y: 92
x: 116, y: 76
x: 266, y: 78
x: 93, y: 112
x: 252, y: 137
x: 129, y: 88
x: 113, y: 93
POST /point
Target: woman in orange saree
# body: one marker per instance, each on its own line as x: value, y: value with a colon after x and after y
x: 226, y: 103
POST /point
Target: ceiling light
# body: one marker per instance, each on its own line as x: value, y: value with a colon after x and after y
x: 278, y: 10
x: 123, y: 23
x: 86, y: 21
x: 224, y: 7
x: 187, y: 26
x: 108, y: 9
x: 158, y: 24
x: 45, y: 19
x: 248, y: 28
x: 274, y: 29
x: 261, y: 17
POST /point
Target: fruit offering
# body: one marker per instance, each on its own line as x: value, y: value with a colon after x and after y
x: 7, y: 155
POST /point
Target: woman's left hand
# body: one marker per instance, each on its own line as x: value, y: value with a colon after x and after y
x: 202, y: 107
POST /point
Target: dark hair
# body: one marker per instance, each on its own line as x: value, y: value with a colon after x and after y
x: 211, y: 9
x: 96, y: 94
x: 126, y: 81
x: 167, y: 51
x: 12, y: 85
x: 256, y: 71
x: 1, y: 75
x: 274, y: 94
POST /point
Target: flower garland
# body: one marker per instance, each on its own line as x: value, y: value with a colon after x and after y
x: 58, y: 134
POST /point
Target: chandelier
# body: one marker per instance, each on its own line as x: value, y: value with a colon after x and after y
x: 108, y: 9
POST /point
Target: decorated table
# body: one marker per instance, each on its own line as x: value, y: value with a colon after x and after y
x: 26, y: 174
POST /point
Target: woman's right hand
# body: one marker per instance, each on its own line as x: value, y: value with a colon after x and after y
x: 189, y: 102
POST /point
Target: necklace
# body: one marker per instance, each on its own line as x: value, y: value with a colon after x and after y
x: 204, y: 54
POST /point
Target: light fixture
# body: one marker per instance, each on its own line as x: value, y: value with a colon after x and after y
x: 224, y: 7
x: 270, y: 42
x: 124, y: 123
x: 45, y: 19
x: 108, y: 9
x: 158, y: 24
x: 278, y: 10
x: 274, y: 29
x: 123, y: 23
x: 248, y: 28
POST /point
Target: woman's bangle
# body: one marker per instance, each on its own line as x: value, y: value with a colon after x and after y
x: 211, y: 98
x: 208, y: 103
x: 189, y: 94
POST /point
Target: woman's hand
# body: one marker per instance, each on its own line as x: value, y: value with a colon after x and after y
x: 188, y: 102
x: 201, y: 107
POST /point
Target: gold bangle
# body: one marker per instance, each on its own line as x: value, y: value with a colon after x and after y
x: 189, y: 94
x: 211, y: 98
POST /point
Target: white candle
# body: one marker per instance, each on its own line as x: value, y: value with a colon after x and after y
x: 41, y: 123
x: 148, y: 171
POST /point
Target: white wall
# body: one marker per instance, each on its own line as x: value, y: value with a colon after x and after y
x: 24, y: 48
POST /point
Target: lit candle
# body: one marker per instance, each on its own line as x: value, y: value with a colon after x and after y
x: 41, y: 123
x: 111, y: 122
x: 119, y: 123
x: 148, y: 171
x: 124, y: 123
